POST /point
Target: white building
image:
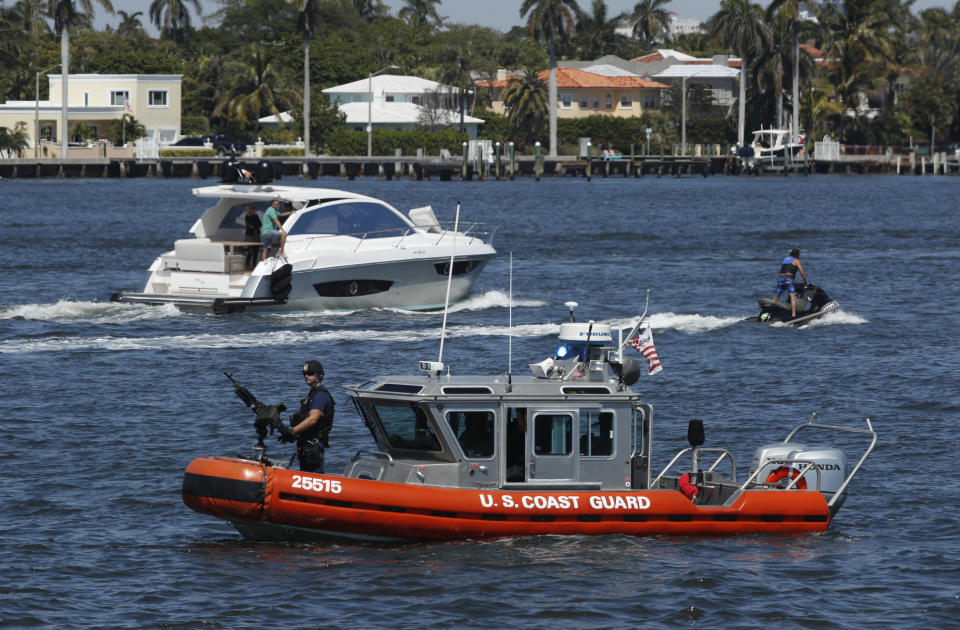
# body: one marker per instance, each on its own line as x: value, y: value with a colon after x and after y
x: 397, y: 102
x: 99, y: 99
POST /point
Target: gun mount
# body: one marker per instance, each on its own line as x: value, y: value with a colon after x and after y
x: 267, y: 416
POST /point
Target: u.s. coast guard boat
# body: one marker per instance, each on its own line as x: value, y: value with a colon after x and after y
x: 567, y: 449
x: 343, y: 251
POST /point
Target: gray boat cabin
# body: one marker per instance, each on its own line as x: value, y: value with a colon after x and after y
x: 572, y: 424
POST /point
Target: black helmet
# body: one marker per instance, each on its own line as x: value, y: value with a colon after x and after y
x: 795, y: 252
x: 313, y: 367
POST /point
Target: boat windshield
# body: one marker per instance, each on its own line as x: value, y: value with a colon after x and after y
x: 406, y: 426
x: 350, y: 218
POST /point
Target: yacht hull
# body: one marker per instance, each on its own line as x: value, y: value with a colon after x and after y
x: 268, y: 503
x: 413, y: 284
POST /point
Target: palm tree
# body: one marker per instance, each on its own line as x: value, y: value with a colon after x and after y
x: 255, y: 89
x: 859, y: 46
x: 650, y: 19
x: 306, y: 22
x: 172, y: 14
x: 420, y: 12
x: 548, y: 21
x: 790, y: 9
x: 65, y: 15
x: 466, y: 49
x: 596, y: 34
x: 525, y: 100
x: 129, y: 23
x: 370, y: 10
x: 739, y: 25
x: 771, y: 67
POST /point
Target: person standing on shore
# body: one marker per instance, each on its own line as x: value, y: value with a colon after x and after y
x: 789, y: 266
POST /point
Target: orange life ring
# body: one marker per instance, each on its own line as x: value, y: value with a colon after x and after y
x: 786, y: 471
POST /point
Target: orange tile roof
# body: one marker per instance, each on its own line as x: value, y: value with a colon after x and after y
x: 649, y: 58
x: 576, y: 78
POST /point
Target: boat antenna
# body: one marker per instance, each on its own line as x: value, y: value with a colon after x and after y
x: 636, y: 329
x: 510, y: 327
x: 446, y: 302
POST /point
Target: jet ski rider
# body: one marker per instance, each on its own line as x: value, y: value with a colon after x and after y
x: 788, y: 269
x: 310, y: 425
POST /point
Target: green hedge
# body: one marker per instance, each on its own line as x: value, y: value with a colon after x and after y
x: 194, y: 152
x: 385, y: 142
x: 274, y: 152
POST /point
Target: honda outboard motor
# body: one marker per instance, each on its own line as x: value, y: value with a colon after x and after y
x: 831, y: 462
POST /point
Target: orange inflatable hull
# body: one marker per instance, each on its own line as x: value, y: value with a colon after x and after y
x: 256, y: 497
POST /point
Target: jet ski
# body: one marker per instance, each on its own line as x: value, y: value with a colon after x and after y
x: 812, y: 302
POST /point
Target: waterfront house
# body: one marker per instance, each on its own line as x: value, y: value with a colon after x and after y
x: 399, y: 102
x: 603, y: 89
x: 96, y: 100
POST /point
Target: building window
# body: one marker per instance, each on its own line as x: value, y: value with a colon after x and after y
x: 584, y: 101
x: 649, y: 101
x: 566, y: 101
x: 609, y: 102
x: 626, y: 101
x: 86, y: 99
x: 596, y: 101
x: 157, y: 98
x: 389, y: 98
x: 119, y: 97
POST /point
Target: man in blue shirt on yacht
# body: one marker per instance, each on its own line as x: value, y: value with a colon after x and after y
x: 272, y: 230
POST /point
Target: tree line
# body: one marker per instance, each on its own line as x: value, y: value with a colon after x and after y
x: 883, y: 76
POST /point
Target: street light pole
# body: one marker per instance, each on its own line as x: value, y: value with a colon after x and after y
x: 36, y: 113
x: 370, y: 107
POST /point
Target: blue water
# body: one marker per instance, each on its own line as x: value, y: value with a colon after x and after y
x: 105, y: 405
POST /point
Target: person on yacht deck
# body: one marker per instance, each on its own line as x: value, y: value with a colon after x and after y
x: 272, y: 230
x: 252, y: 228
x: 789, y: 266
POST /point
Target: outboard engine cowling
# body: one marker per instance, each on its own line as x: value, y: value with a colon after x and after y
x: 265, y: 172
x: 228, y: 172
x: 831, y: 462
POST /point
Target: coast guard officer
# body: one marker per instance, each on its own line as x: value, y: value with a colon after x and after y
x: 311, y: 424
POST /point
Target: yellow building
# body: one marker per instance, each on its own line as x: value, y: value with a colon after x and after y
x: 581, y: 93
x: 97, y: 100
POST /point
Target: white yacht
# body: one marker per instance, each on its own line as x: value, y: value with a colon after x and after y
x: 343, y: 251
x: 772, y: 149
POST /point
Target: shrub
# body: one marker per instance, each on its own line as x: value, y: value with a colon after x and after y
x: 191, y: 152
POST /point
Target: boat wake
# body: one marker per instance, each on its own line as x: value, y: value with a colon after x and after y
x: 835, y: 318
x: 482, y: 302
x: 69, y: 311
x: 279, y: 338
x: 691, y: 324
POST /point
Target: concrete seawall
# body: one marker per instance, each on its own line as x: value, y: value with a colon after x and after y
x: 418, y: 168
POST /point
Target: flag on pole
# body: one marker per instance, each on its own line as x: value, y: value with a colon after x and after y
x: 643, y: 343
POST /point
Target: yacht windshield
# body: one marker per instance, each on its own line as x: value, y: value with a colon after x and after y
x: 353, y: 218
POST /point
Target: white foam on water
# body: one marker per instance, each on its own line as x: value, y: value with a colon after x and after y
x: 275, y: 339
x: 837, y: 317
x: 70, y: 311
x: 480, y: 302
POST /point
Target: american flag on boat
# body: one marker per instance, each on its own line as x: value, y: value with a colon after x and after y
x: 643, y: 343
